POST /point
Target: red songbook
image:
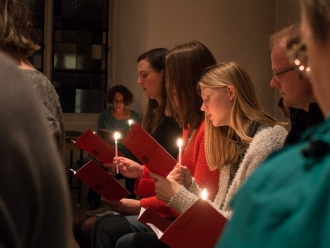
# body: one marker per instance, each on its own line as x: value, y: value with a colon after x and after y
x: 149, y: 151
x: 100, y: 181
x: 199, y: 226
x: 97, y: 147
x: 148, y: 216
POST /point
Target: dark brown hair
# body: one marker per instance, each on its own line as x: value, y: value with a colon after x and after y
x: 16, y: 28
x: 185, y: 65
x: 152, y: 118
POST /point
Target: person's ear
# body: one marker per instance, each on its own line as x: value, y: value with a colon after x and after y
x: 231, y: 92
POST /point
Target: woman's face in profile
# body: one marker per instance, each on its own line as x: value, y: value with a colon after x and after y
x: 150, y: 80
x: 217, y: 105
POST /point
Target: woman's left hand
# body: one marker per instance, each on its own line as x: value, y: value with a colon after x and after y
x: 125, y: 206
x: 165, y: 187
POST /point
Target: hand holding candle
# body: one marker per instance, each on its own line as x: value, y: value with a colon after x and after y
x: 116, y: 137
x: 180, y: 150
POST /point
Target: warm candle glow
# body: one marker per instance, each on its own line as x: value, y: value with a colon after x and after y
x: 130, y: 122
x: 179, y: 142
x: 204, y: 194
x: 116, y: 135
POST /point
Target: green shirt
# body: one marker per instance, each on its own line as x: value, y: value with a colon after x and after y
x: 286, y: 201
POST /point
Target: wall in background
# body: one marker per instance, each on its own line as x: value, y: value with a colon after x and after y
x: 234, y: 30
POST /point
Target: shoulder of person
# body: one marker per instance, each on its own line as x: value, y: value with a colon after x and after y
x: 270, y: 135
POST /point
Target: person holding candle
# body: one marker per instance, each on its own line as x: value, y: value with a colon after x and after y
x: 115, y: 119
x: 184, y: 66
x: 165, y: 130
x: 239, y: 135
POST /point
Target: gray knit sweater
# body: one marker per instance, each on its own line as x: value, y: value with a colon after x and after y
x: 51, y: 105
x: 265, y: 141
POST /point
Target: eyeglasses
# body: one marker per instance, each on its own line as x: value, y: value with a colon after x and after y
x: 115, y: 101
x: 298, y: 57
x: 276, y: 75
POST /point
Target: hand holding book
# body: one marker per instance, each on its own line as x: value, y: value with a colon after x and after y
x: 125, y: 206
x: 199, y: 226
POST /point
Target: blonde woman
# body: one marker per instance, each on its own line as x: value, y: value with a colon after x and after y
x: 239, y: 135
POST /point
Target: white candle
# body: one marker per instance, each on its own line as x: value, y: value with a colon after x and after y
x: 130, y: 122
x: 116, y: 136
x: 204, y: 194
x: 180, y: 150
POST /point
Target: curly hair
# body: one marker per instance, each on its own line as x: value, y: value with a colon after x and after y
x: 127, y: 94
x: 16, y: 28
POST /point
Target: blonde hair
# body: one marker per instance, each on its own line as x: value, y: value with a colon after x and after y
x: 220, y: 146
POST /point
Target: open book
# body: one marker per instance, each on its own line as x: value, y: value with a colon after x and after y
x: 97, y: 147
x: 100, y: 181
x: 199, y: 226
x: 150, y: 153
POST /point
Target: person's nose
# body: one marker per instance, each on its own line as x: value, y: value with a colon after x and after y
x: 203, y: 108
x: 139, y: 81
x: 274, y: 83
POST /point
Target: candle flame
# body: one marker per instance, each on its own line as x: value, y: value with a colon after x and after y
x: 179, y: 142
x: 130, y: 122
x: 204, y: 194
x: 116, y: 135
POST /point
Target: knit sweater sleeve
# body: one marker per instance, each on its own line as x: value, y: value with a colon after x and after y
x: 145, y: 186
x: 264, y: 143
x: 183, y: 199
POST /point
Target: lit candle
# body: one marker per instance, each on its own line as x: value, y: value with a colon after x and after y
x: 180, y: 150
x: 130, y: 122
x: 116, y: 136
x: 204, y: 194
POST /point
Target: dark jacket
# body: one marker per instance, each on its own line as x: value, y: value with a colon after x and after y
x: 301, y: 120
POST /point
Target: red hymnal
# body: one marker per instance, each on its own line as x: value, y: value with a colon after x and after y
x: 100, y: 181
x: 97, y: 147
x: 199, y: 226
x: 149, y: 151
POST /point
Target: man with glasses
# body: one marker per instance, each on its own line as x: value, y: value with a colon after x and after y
x: 296, y: 90
x: 285, y: 202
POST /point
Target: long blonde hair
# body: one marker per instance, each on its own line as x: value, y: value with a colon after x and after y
x: 220, y: 146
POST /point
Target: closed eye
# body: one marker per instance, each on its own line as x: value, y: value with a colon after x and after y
x: 206, y: 99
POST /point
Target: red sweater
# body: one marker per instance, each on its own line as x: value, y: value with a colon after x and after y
x: 193, y: 157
